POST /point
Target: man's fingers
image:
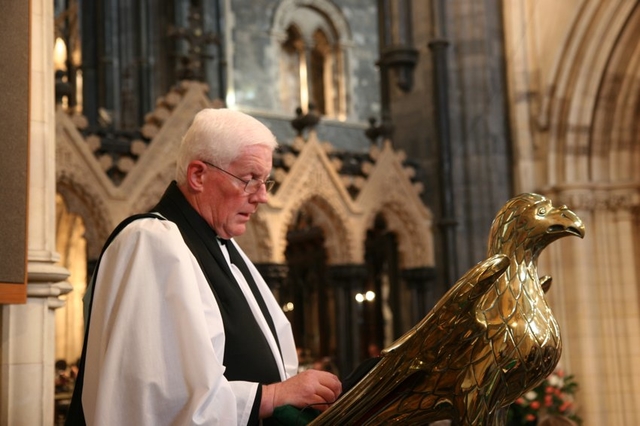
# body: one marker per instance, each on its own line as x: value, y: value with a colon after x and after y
x: 327, y: 394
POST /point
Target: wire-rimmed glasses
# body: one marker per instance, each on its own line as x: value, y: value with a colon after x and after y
x: 251, y: 186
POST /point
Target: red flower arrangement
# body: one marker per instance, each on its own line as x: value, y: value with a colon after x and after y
x: 553, y: 396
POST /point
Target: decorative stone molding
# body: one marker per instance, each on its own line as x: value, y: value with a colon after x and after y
x: 569, y: 103
x: 150, y: 195
x: 284, y: 12
x: 85, y: 186
x: 592, y: 197
x: 81, y: 199
x: 348, y: 277
x: 257, y: 242
x: 46, y: 281
x: 273, y: 273
x: 389, y: 191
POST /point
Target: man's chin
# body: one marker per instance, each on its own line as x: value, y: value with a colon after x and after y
x: 238, y: 230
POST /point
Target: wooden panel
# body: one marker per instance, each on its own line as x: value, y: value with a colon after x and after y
x: 14, y: 142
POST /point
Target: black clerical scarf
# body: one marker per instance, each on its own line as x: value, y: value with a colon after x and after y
x: 247, y: 355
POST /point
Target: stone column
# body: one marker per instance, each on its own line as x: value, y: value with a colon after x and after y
x: 347, y: 280
x: 274, y: 274
x: 27, y: 393
x: 595, y: 298
x: 422, y: 282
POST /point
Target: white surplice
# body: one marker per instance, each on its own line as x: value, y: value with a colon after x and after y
x: 156, y: 338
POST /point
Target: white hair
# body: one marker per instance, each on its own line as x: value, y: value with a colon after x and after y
x: 218, y: 135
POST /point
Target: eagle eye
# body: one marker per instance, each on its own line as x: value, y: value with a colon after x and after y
x: 542, y: 211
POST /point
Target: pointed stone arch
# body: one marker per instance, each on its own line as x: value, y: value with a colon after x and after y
x: 614, y: 154
x: 71, y: 245
x: 414, y: 246
x: 286, y: 9
x: 257, y: 242
x: 389, y: 191
x: 313, y: 180
x: 326, y: 216
x: 312, y: 177
x: 316, y: 69
x: 91, y: 208
x: 569, y: 101
x: 82, y: 183
x: 167, y: 125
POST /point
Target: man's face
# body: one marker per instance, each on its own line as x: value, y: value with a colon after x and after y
x: 224, y: 204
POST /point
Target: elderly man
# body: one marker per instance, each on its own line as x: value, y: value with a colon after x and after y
x: 182, y: 329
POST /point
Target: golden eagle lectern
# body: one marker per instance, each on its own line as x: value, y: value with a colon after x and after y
x: 490, y: 339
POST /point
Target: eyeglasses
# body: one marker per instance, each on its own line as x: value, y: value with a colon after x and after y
x: 251, y: 186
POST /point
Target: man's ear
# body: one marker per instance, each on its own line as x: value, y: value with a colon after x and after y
x: 196, y: 171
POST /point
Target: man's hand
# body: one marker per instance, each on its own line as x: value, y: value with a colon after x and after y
x: 307, y: 388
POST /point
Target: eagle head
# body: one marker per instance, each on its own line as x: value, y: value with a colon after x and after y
x: 531, y: 222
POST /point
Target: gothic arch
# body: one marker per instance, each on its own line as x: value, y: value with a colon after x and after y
x: 256, y: 242
x: 311, y: 38
x: 83, y: 185
x: 328, y: 215
x: 615, y: 144
x: 414, y: 245
x: 312, y: 176
x: 165, y: 126
x: 337, y: 238
x: 156, y: 184
x: 389, y: 191
x: 90, y: 207
x: 283, y: 17
x: 571, y: 98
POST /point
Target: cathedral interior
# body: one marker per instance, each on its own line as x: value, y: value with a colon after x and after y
x: 403, y: 127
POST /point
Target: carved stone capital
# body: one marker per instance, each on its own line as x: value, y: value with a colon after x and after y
x: 348, y: 277
x: 273, y: 273
x: 419, y: 277
x: 47, y: 280
x: 592, y: 197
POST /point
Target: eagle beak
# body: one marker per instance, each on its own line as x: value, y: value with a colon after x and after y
x: 567, y: 223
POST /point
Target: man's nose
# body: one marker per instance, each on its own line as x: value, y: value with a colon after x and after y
x: 261, y: 195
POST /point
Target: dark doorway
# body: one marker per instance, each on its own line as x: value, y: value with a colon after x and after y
x: 380, y: 298
x: 306, y: 294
